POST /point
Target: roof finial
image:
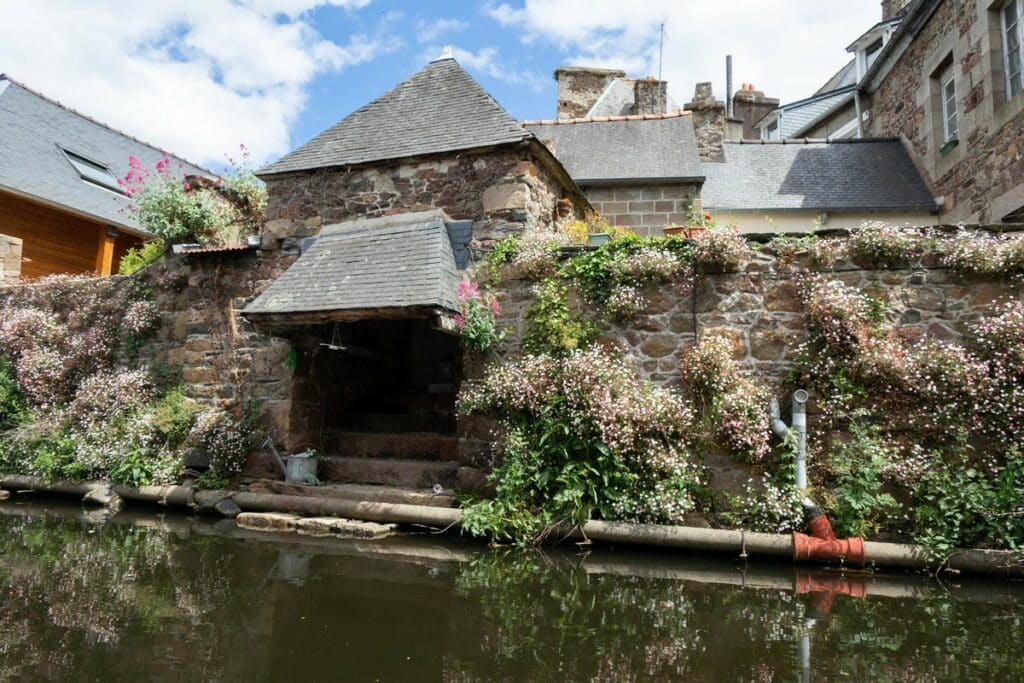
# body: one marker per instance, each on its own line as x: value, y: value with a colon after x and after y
x: 447, y: 53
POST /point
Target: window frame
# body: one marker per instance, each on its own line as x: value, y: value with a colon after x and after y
x: 947, y: 79
x: 92, y: 172
x: 1005, y: 34
x: 772, y: 129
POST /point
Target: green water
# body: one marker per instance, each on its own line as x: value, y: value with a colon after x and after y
x: 177, y: 599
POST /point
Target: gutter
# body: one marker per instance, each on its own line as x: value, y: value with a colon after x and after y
x: 731, y: 541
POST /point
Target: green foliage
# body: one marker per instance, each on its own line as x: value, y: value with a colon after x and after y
x: 551, y: 327
x: 173, y: 416
x: 773, y: 503
x: 503, y: 253
x: 628, y: 260
x: 860, y: 506
x: 13, y: 410
x: 477, y: 318
x: 958, y: 505
x: 54, y: 458
x: 138, y: 258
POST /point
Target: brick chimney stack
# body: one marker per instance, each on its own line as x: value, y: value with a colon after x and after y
x: 579, y: 88
x: 750, y: 105
x: 709, y: 122
x: 650, y: 96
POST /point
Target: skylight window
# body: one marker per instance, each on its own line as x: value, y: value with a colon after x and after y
x: 93, y: 172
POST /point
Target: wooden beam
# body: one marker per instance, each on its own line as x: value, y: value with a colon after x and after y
x: 105, y: 251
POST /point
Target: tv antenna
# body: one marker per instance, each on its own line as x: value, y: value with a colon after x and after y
x: 661, y: 49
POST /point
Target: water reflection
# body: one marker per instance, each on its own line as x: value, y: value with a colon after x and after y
x: 182, y: 599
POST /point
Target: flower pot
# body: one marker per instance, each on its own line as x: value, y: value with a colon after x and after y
x: 253, y: 240
x: 599, y: 238
x: 675, y: 230
x: 695, y: 230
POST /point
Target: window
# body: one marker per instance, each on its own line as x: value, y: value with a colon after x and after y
x: 772, y: 131
x: 947, y: 90
x: 871, y: 53
x: 93, y: 172
x: 1013, y: 36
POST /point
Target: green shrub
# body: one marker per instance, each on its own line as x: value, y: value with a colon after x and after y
x: 860, y: 506
x: 551, y: 327
x: 138, y: 258
x: 13, y: 410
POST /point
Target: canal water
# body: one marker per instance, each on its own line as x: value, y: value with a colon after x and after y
x: 172, y: 598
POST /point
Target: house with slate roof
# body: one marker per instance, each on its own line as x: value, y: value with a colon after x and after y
x: 58, y: 185
x: 436, y: 141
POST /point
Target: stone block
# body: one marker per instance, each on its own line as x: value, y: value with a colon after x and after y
x: 737, y: 340
x: 659, y: 345
x: 505, y: 197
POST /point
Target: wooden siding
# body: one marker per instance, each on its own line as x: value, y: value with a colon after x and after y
x: 55, y: 241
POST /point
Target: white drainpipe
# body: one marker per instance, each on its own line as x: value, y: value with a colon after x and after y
x: 799, y: 432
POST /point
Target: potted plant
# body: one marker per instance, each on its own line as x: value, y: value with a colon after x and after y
x: 598, y: 238
x: 675, y: 230
x: 699, y: 222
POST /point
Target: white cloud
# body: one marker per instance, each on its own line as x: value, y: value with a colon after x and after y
x: 788, y: 48
x: 429, y: 31
x: 487, y: 60
x: 196, y: 77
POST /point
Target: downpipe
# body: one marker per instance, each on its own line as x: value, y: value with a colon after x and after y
x: 821, y: 544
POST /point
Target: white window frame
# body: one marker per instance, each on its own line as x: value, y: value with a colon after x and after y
x: 771, y: 131
x: 950, y: 111
x: 1014, y: 33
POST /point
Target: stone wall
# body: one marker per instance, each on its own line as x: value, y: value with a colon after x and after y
x: 982, y: 177
x: 580, y: 87
x: 647, y: 208
x: 502, y: 191
x: 709, y: 122
x: 10, y: 259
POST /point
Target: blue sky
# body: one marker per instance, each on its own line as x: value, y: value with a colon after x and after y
x: 199, y: 76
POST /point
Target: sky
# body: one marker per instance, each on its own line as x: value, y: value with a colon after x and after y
x: 201, y: 77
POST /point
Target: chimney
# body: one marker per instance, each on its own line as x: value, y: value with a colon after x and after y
x: 892, y: 8
x: 750, y: 106
x: 709, y: 122
x: 650, y: 96
x: 579, y: 88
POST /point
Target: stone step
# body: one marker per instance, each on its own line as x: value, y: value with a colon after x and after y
x: 371, y: 493
x: 408, y: 446
x: 390, y: 471
x: 398, y: 423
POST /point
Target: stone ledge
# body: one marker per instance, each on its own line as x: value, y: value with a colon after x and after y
x: 314, y: 526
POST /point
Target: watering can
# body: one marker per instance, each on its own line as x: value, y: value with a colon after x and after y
x: 300, y: 468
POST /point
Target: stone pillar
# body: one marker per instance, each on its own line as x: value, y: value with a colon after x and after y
x: 650, y: 96
x: 708, y: 122
x: 579, y: 88
x: 750, y: 106
x: 10, y: 259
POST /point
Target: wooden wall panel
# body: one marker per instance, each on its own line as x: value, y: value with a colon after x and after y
x: 54, y: 242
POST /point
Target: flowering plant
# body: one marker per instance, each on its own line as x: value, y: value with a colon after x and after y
x: 735, y: 406
x: 886, y: 245
x: 584, y: 435
x: 720, y: 247
x: 476, y: 321
x: 981, y: 253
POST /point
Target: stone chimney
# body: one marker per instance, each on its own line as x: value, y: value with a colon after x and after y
x: 650, y: 96
x: 750, y: 106
x: 892, y: 8
x: 579, y: 88
x: 708, y: 122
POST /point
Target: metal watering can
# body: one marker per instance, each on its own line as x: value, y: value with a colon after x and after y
x: 300, y: 468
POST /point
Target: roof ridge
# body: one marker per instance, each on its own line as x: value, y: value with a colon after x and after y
x: 58, y: 103
x: 808, y: 141
x: 606, y: 119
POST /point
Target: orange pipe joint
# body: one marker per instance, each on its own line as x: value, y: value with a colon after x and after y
x: 821, y: 545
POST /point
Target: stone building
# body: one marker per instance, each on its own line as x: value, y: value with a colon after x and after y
x: 949, y: 84
x: 435, y: 141
x: 639, y: 171
x: 384, y: 211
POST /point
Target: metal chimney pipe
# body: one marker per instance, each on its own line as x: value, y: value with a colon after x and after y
x: 728, y: 86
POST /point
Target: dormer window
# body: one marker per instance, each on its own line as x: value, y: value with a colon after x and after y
x: 93, y: 172
x: 871, y: 53
x: 771, y: 132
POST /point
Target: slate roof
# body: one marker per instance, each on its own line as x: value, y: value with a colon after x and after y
x: 439, y: 109
x: 385, y: 263
x: 618, y: 99
x: 869, y: 174
x: 797, y: 116
x: 33, y: 132
x: 624, y: 148
x: 846, y: 76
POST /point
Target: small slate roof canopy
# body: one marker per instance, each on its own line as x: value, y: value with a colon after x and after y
x: 41, y: 141
x: 381, y: 267
x: 613, y: 150
x: 439, y: 109
x: 864, y: 174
